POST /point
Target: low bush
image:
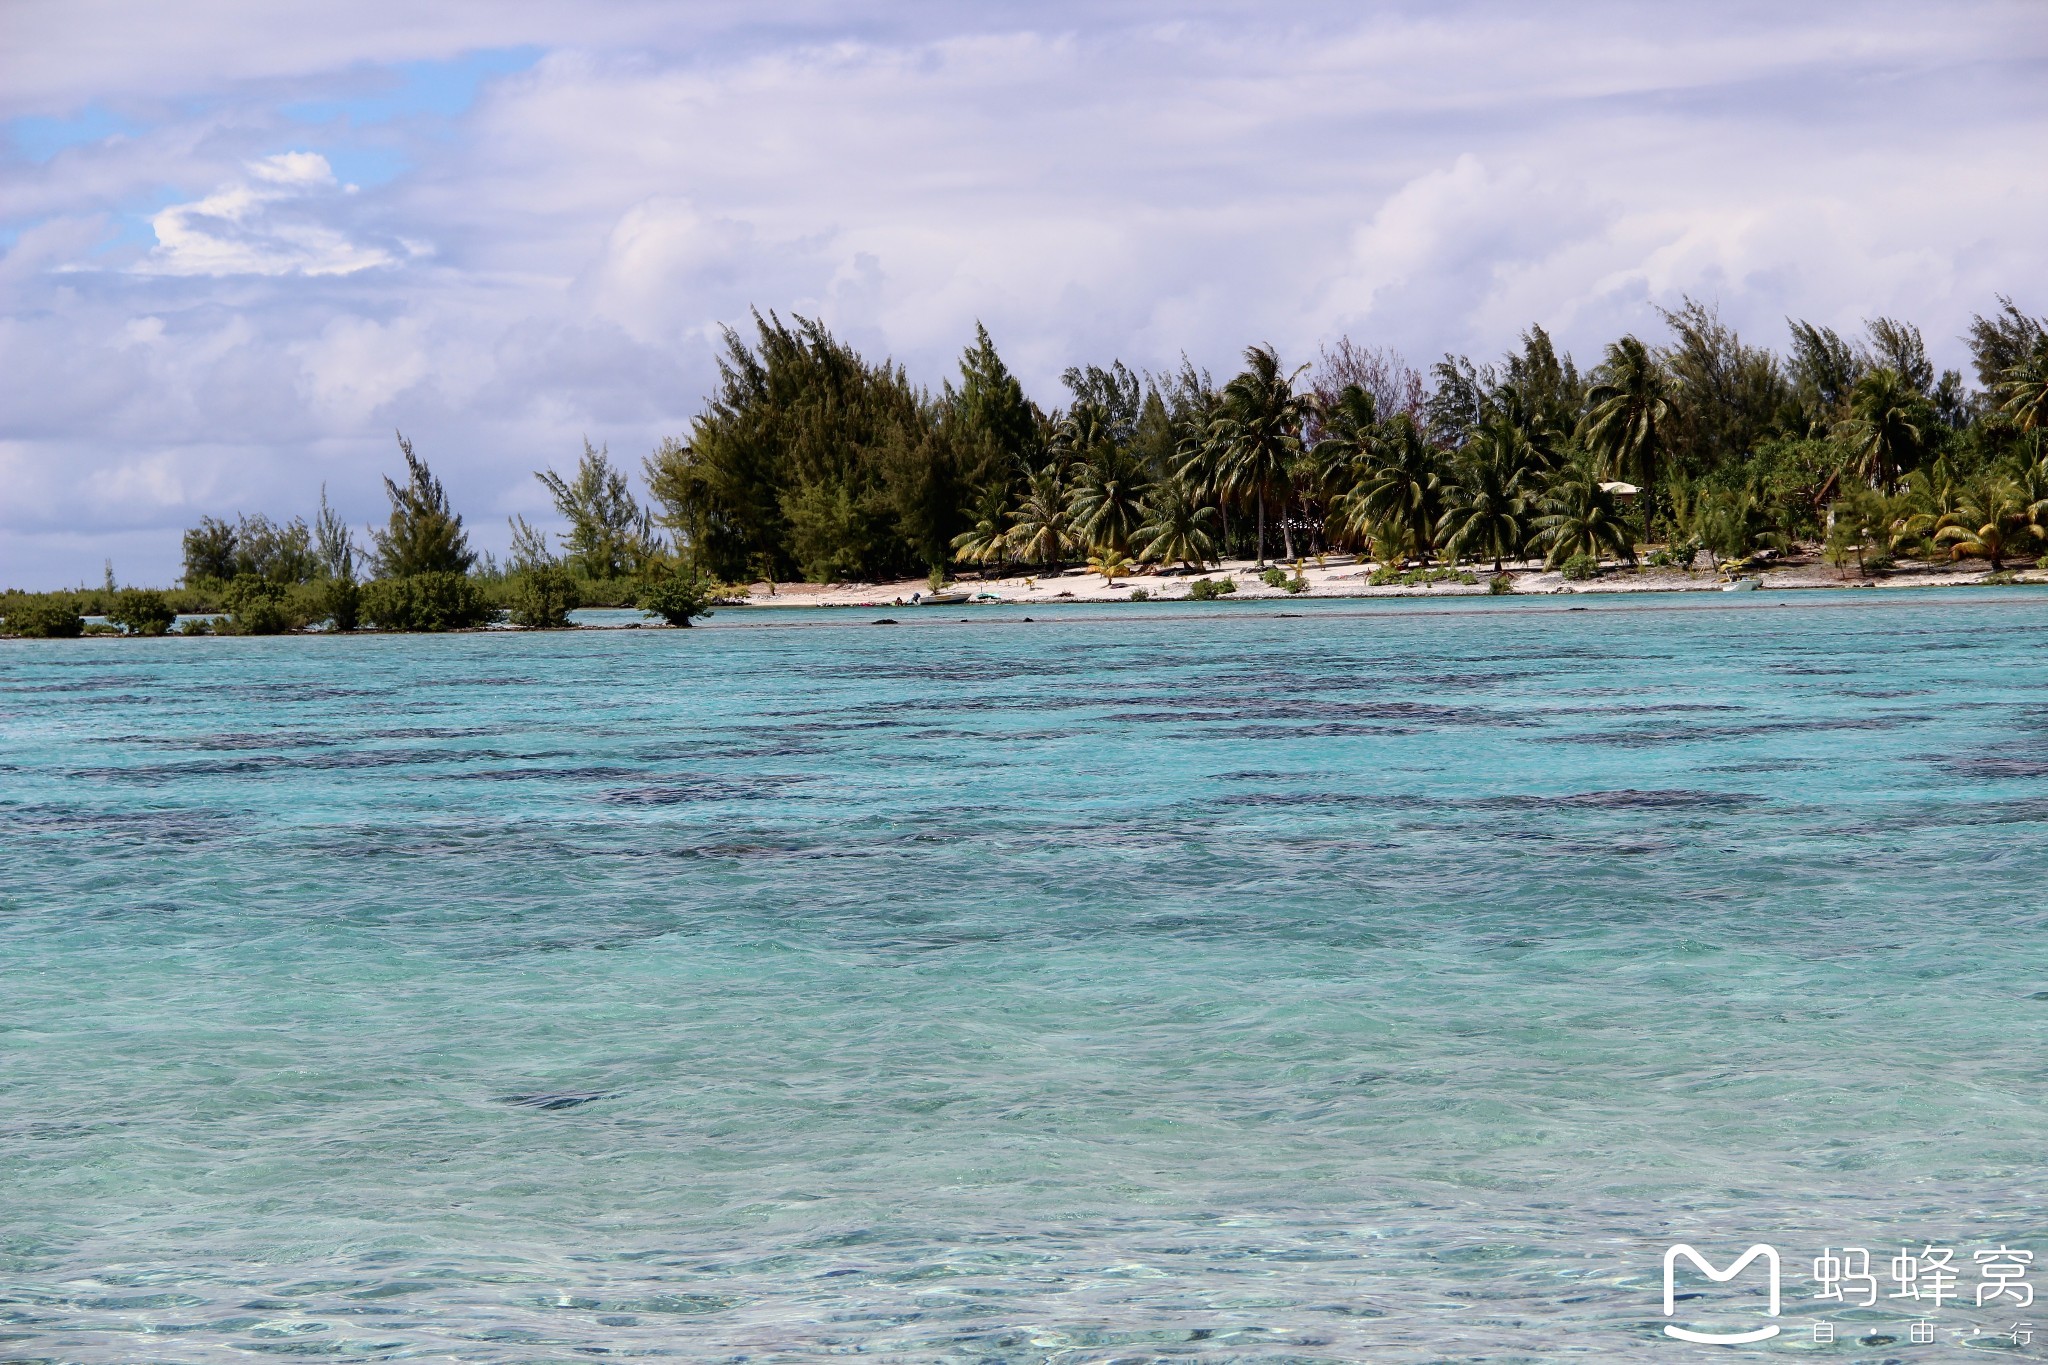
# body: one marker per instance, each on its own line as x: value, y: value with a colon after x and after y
x: 1140, y: 595
x: 679, y: 594
x: 1500, y: 585
x: 1394, y: 576
x: 1209, y: 589
x: 1274, y: 577
x: 339, y: 602
x: 1679, y: 555
x: 44, y: 616
x: 140, y: 611
x: 542, y: 597
x: 1580, y: 567
x: 257, y: 606
x: 1296, y: 584
x: 425, y: 602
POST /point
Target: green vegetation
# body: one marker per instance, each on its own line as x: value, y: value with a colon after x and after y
x: 141, y: 612
x: 428, y: 602
x: 540, y: 589
x: 542, y: 597
x: 1393, y: 575
x: 43, y: 616
x: 258, y: 606
x: 811, y: 460
x: 678, y: 594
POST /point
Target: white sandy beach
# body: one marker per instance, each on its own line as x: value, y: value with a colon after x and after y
x: 1344, y: 576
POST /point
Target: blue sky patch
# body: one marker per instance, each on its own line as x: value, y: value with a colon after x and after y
x: 41, y: 137
x: 437, y: 89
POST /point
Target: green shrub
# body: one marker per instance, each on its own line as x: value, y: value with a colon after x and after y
x: 1140, y: 595
x: 1580, y: 566
x: 425, y: 602
x: 1209, y: 589
x: 607, y: 592
x: 340, y: 601
x: 1296, y: 584
x: 1275, y: 577
x: 678, y: 594
x: 1678, y: 555
x: 1880, y: 562
x: 256, y: 606
x: 141, y: 612
x: 1500, y: 585
x: 542, y: 597
x: 1392, y: 575
x: 45, y: 616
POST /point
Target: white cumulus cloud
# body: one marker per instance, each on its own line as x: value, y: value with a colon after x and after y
x: 262, y: 225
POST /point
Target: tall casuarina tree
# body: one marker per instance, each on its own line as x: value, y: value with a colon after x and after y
x: 425, y: 535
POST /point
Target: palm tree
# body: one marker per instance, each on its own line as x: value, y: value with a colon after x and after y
x: 2023, y: 388
x: 1629, y: 408
x: 1399, y: 497
x: 1258, y: 431
x: 1580, y: 518
x: 1177, y: 528
x: 1041, y: 529
x: 1881, y: 431
x: 1489, y: 509
x: 1084, y: 430
x: 1991, y: 524
x: 1349, y: 425
x: 2031, y: 485
x: 1109, y: 503
x: 988, y: 540
x: 1109, y: 562
x: 1733, y: 524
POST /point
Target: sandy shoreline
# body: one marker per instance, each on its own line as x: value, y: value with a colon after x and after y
x: 1344, y: 577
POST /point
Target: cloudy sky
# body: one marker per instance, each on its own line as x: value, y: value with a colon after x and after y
x: 240, y: 243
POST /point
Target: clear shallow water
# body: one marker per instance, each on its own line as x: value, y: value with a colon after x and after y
x: 1391, y: 980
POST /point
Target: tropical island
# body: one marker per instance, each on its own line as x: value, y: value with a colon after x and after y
x: 814, y: 476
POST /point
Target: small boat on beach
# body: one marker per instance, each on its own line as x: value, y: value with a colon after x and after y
x: 1742, y: 585
x: 941, y: 599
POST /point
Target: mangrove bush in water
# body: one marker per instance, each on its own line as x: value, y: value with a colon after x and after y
x: 436, y: 600
x: 141, y: 612
x: 678, y: 594
x: 42, y: 616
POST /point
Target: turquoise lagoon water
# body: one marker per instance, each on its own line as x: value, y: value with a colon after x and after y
x: 1385, y: 980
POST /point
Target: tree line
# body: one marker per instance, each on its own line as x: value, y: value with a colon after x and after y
x: 810, y: 461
